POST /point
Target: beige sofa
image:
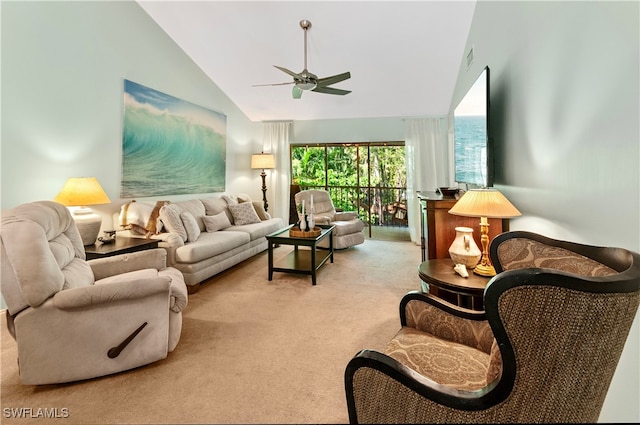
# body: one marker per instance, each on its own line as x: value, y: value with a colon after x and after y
x: 202, y: 237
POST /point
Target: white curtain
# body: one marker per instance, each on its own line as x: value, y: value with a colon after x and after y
x: 428, y: 160
x: 275, y: 140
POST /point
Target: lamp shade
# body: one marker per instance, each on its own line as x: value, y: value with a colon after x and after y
x: 262, y: 161
x: 488, y: 203
x: 82, y: 191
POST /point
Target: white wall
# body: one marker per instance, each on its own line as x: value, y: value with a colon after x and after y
x: 565, y: 119
x: 63, y: 66
x: 348, y: 130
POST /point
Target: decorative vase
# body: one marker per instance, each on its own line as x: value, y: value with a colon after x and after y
x: 464, y: 250
x: 303, y: 223
x: 311, y: 222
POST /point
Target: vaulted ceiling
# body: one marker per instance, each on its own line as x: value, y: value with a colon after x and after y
x: 403, y: 57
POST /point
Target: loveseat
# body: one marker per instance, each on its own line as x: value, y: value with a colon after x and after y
x: 202, y: 237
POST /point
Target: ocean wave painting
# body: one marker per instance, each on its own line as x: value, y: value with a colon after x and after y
x: 170, y: 146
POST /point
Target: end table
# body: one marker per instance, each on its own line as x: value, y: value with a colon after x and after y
x: 122, y: 245
x: 443, y: 282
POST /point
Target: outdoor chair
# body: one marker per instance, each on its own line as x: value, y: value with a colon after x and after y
x: 74, y: 319
x: 545, y: 349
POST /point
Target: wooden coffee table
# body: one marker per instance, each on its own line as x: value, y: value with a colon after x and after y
x: 300, y: 261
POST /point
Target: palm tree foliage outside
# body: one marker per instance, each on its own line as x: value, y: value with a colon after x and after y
x: 366, y: 177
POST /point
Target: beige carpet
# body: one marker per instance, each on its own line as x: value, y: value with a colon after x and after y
x: 252, y: 351
x: 388, y: 233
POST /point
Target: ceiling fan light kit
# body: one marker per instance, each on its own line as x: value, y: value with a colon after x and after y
x: 305, y: 80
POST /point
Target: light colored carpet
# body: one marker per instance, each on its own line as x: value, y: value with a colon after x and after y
x: 388, y: 233
x: 252, y: 351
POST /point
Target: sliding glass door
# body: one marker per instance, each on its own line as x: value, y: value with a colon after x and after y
x: 366, y: 177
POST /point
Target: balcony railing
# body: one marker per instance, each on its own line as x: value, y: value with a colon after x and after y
x: 376, y: 205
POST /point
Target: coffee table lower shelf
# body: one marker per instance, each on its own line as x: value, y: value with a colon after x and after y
x: 300, y: 261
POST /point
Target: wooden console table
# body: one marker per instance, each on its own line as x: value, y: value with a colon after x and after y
x: 437, y: 226
x: 443, y: 282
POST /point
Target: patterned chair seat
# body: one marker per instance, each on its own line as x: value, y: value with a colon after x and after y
x: 445, y: 362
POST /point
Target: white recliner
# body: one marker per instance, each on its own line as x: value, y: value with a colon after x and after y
x: 348, y: 230
x: 74, y: 319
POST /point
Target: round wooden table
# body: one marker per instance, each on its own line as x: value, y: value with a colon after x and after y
x: 443, y: 282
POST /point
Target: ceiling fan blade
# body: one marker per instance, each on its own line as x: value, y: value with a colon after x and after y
x: 273, y: 84
x: 327, y: 81
x: 330, y: 90
x: 285, y: 70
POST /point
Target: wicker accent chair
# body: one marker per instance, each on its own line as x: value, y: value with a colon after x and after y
x: 556, y: 319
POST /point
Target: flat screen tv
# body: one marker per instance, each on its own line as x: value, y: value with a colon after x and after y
x: 473, y: 156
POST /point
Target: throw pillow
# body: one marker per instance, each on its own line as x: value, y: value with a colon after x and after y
x: 244, y: 213
x: 259, y: 207
x: 216, y: 222
x: 190, y: 226
x: 231, y: 200
x: 243, y: 197
x: 170, y: 216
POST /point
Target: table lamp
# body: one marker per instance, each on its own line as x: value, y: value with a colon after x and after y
x: 484, y: 203
x: 263, y: 161
x: 80, y: 192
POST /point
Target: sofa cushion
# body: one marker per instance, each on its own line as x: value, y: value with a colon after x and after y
x: 209, y: 245
x: 216, y: 222
x: 243, y: 213
x: 258, y: 230
x: 259, y: 207
x: 190, y: 226
x: 196, y: 208
x: 213, y: 206
x: 230, y: 199
x: 170, y: 216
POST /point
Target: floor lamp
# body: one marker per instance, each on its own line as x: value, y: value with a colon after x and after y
x: 263, y: 161
x: 80, y: 192
x: 484, y: 203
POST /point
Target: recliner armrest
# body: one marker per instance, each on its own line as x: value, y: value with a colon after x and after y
x: 110, y: 293
x: 322, y: 219
x: 345, y: 216
x: 178, y: 290
x: 124, y: 263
